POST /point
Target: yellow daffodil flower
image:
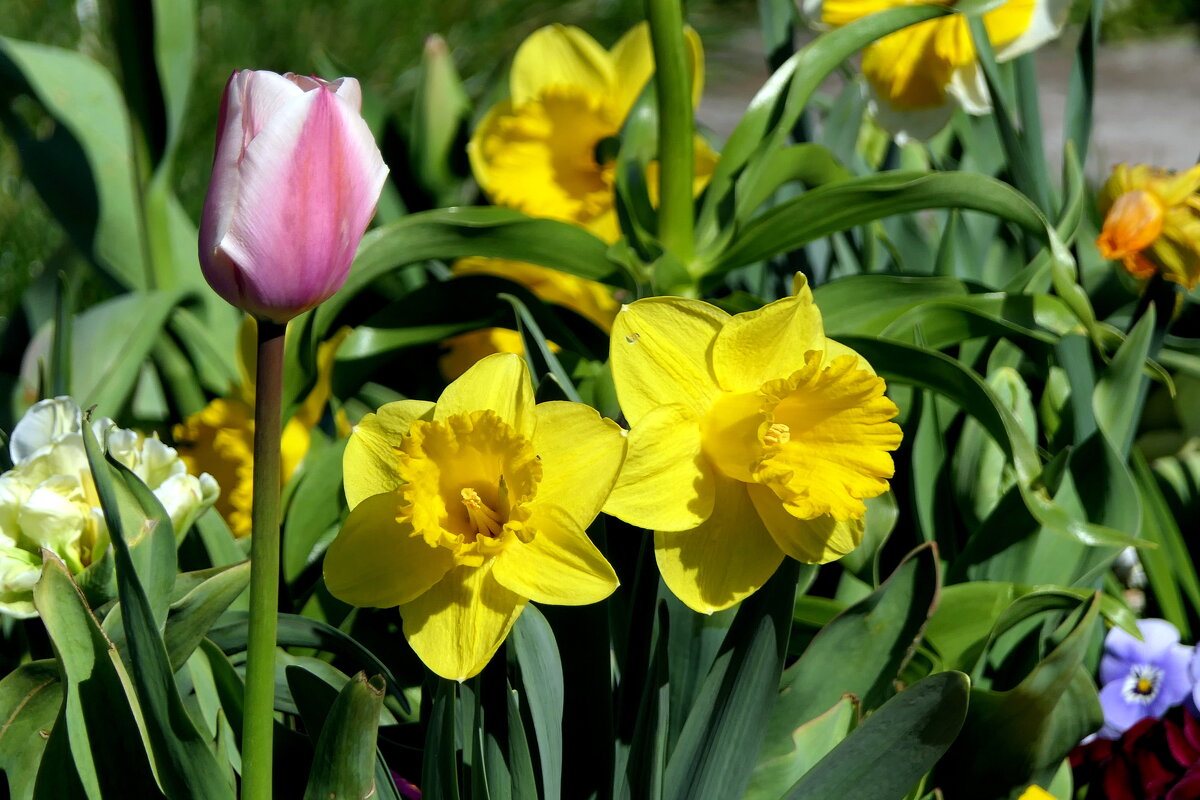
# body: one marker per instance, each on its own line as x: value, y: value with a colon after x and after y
x: 1035, y: 792
x: 219, y: 439
x: 463, y: 510
x: 915, y: 73
x: 542, y: 151
x: 589, y: 299
x: 1152, y: 222
x: 752, y: 437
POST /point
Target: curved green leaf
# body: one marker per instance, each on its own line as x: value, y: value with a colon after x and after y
x: 885, y: 757
x: 451, y: 233
x: 932, y: 370
x: 30, y: 698
x: 845, y: 204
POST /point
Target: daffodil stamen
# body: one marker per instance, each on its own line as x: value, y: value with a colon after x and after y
x: 777, y: 434
x: 484, y: 520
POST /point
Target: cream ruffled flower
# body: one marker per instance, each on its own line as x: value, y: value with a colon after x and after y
x: 48, y: 498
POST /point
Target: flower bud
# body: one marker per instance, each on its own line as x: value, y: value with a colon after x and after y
x: 295, y: 180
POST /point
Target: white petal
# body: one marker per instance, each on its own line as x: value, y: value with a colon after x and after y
x: 1049, y: 16
x: 44, y: 422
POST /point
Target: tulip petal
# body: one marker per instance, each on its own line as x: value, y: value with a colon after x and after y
x: 581, y: 453
x: 499, y: 382
x: 810, y: 541
x: 666, y: 483
x: 758, y: 346
x: 320, y: 155
x: 722, y: 561
x: 369, y: 464
x: 560, y: 565
x: 659, y: 351
x: 377, y: 561
x: 560, y: 55
x: 457, y: 626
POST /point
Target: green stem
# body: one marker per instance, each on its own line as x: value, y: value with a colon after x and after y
x: 675, y: 129
x: 264, y: 567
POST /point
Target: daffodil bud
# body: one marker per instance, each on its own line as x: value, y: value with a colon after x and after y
x: 295, y: 180
x: 48, y: 499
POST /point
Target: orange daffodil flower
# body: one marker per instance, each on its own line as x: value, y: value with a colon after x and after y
x: 918, y: 74
x: 1152, y: 222
x: 541, y: 150
x: 752, y: 437
x: 463, y: 510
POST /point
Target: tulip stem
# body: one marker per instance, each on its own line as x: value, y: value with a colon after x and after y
x: 259, y: 719
x: 675, y: 129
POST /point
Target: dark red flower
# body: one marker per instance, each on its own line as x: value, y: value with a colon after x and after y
x: 1156, y: 759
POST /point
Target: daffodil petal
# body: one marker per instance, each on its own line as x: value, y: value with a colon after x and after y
x: 580, y: 453
x: 560, y: 565
x: 633, y: 60
x: 560, y: 55
x: 1045, y: 23
x: 377, y: 561
x: 666, y: 483
x: 906, y: 126
x: 834, y: 349
x: 457, y: 626
x: 660, y: 349
x: 757, y: 346
x: 499, y: 382
x: 722, y: 561
x: 369, y: 463
x: 811, y: 541
x: 488, y: 128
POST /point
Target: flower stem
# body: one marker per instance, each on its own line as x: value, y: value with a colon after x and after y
x: 264, y: 567
x: 675, y: 129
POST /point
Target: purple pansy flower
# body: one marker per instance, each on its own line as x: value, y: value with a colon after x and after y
x: 1142, y: 679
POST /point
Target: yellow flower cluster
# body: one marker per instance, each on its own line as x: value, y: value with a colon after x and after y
x: 753, y: 437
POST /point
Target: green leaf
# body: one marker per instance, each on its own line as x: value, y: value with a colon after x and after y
x: 439, y: 765
x: 57, y: 776
x: 297, y: 631
x: 860, y: 652
x: 808, y: 164
x: 100, y: 719
x: 183, y: 760
x: 110, y: 342
x: 885, y: 757
x: 1120, y: 390
x: 315, y: 508
x: 531, y: 333
x: 84, y: 170
x: 720, y: 740
x: 1169, y: 567
x: 932, y: 370
x: 776, y: 108
x: 470, y: 231
x: 810, y: 742
x: 541, y: 679
x: 30, y: 698
x: 1081, y: 90
x: 344, y: 763
x: 1021, y: 735
x: 191, y: 617
x: 845, y: 204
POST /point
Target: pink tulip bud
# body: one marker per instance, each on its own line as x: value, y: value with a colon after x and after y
x: 295, y: 181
